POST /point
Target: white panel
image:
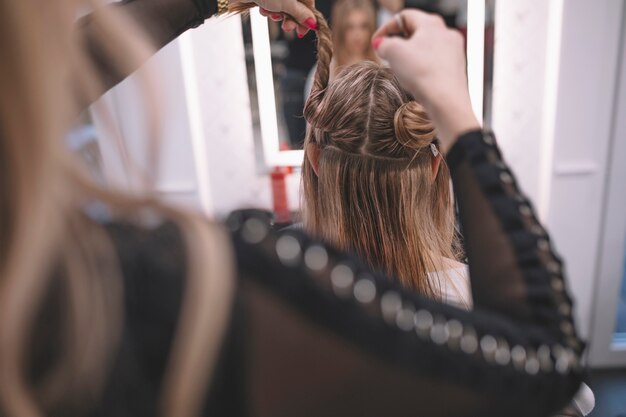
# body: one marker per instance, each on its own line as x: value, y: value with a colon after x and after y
x: 207, y: 153
x: 585, y: 103
x: 521, y: 31
x: 554, y: 79
x: 125, y: 104
x: 236, y: 179
x: 613, y: 245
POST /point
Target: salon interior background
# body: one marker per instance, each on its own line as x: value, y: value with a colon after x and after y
x: 556, y: 99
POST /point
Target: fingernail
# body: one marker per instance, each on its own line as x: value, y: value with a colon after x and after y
x: 300, y: 35
x: 263, y: 10
x: 276, y: 16
x: 310, y: 23
x: 376, y: 42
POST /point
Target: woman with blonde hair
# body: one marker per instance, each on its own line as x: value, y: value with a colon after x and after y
x: 160, y: 312
x: 375, y: 183
x: 353, y: 24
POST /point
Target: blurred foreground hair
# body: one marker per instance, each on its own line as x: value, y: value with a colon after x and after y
x: 45, y: 79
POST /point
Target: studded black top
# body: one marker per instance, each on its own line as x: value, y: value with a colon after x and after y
x: 313, y: 332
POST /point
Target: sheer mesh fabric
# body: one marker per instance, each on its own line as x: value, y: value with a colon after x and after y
x: 497, y: 283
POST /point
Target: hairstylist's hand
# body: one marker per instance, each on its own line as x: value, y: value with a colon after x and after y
x: 294, y: 14
x: 429, y: 60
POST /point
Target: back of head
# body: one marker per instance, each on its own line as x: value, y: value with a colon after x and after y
x: 375, y: 192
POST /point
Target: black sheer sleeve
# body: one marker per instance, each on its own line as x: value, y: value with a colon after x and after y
x: 314, y: 332
x: 162, y: 20
x: 326, y: 336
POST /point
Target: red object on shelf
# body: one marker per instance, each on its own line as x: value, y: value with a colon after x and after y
x: 279, y: 192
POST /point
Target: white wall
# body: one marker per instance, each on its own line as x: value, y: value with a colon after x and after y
x: 207, y: 152
x: 555, y: 76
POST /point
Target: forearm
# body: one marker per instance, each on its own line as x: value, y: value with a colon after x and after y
x: 513, y: 266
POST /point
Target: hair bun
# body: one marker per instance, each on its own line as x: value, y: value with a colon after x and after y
x: 413, y: 127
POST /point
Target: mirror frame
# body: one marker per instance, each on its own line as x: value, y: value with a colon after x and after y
x: 272, y: 155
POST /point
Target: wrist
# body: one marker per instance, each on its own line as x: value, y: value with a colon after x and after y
x: 452, y: 118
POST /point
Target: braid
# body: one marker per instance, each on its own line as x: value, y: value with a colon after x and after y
x: 324, y: 56
x: 322, y: 70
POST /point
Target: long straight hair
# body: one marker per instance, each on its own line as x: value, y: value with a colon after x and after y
x: 43, y: 191
x: 374, y: 191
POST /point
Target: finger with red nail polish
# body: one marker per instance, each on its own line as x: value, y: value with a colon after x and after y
x: 301, y: 31
x: 310, y: 23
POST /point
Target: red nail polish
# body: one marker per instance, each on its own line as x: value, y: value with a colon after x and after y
x: 300, y: 35
x: 262, y: 10
x: 376, y: 42
x: 310, y: 23
x: 276, y: 16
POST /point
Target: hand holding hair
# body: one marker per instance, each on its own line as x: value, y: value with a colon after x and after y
x: 429, y: 61
x: 295, y: 14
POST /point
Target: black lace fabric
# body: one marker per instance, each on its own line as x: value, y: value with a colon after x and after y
x: 326, y: 336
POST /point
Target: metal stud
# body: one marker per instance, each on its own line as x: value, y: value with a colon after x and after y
x: 543, y: 244
x: 439, y: 333
x: 404, y: 318
x: 364, y: 290
x: 288, y: 250
x: 503, y: 354
x: 525, y: 210
x: 565, y: 309
x: 488, y: 139
x: 532, y: 365
x: 469, y: 341
x: 554, y: 267
x: 562, y: 362
x: 423, y: 322
x: 506, y: 178
x: 557, y: 284
x: 573, y: 343
x: 574, y: 363
x: 390, y: 304
x: 537, y: 230
x: 254, y: 231
x: 518, y: 354
x: 545, y: 361
x: 567, y: 328
x: 488, y: 345
x: 342, y: 279
x: 316, y: 258
x: 557, y: 350
x: 455, y: 328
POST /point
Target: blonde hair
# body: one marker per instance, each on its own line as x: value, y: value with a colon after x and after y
x: 374, y: 193
x: 340, y: 12
x: 43, y: 229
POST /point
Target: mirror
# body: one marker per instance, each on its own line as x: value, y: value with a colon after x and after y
x: 280, y: 66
